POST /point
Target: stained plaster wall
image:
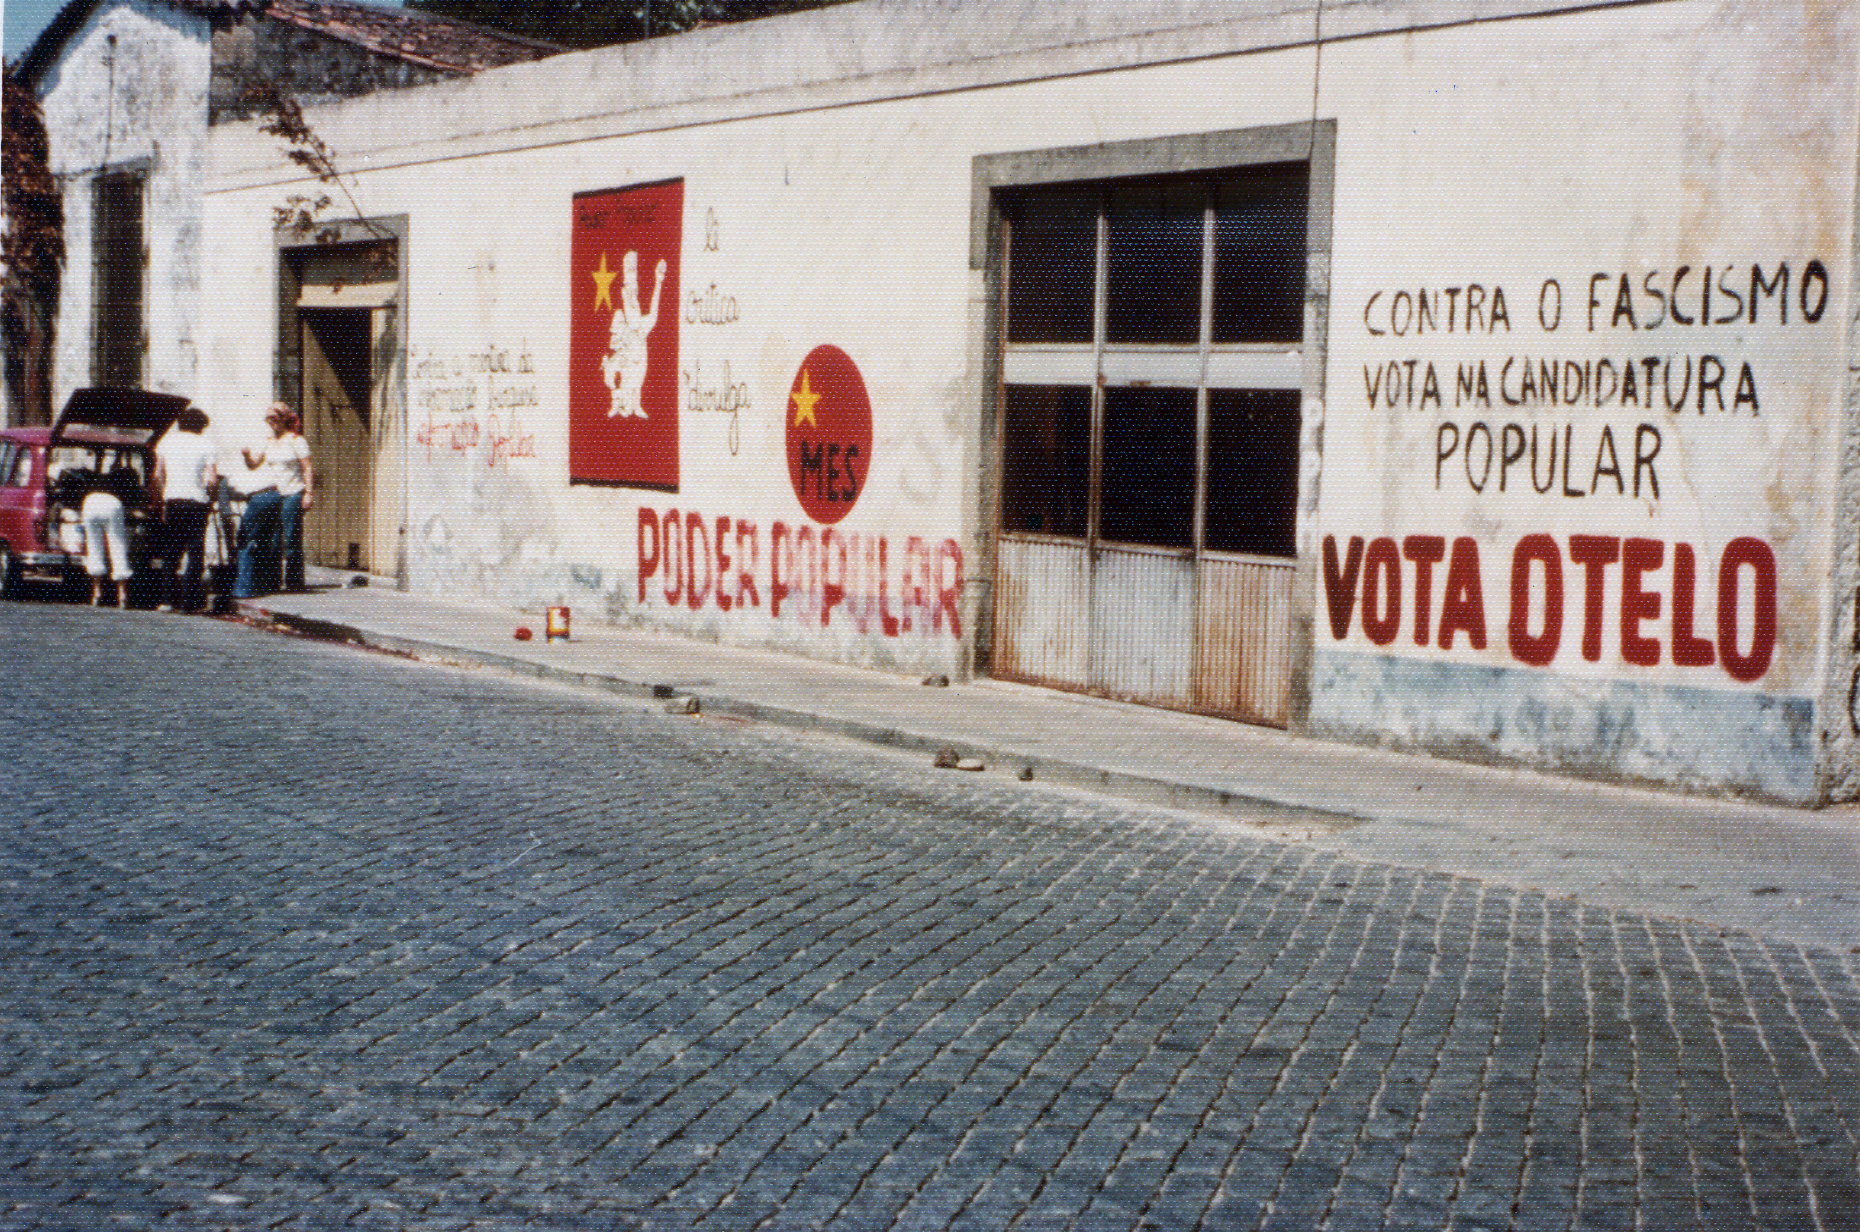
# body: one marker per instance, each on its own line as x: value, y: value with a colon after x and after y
x: 1839, y: 706
x: 1561, y: 160
x: 138, y: 104
x: 805, y: 224
x: 826, y: 201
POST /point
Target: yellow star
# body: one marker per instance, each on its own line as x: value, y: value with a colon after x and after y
x: 604, y: 283
x: 804, y: 399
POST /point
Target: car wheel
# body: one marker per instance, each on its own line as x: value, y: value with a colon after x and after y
x: 10, y: 585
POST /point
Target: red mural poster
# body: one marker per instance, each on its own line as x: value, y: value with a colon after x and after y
x: 623, y: 337
x: 829, y: 434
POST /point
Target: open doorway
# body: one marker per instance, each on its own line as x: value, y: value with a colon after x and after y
x: 341, y: 346
x: 341, y: 424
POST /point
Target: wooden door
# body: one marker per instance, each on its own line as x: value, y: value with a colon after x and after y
x: 338, y: 408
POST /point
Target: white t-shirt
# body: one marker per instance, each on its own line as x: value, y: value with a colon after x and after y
x: 189, y: 463
x: 282, y: 464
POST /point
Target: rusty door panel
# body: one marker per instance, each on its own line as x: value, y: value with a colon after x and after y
x: 1143, y: 627
x: 1243, y: 639
x: 1142, y: 623
x: 1041, y: 607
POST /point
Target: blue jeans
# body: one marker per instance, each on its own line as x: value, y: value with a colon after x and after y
x: 291, y: 541
x: 258, y: 545
x: 271, y: 545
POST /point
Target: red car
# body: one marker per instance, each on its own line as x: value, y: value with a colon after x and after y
x: 44, y: 471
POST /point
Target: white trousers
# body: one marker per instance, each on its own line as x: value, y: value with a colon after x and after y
x: 105, y: 527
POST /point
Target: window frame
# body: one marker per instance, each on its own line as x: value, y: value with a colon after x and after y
x: 1205, y: 365
x: 119, y: 262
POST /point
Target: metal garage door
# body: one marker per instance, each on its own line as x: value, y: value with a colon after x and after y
x: 1150, y: 428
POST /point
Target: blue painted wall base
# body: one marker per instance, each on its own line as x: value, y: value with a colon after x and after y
x: 1748, y: 744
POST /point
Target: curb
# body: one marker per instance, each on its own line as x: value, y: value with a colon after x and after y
x: 1148, y: 789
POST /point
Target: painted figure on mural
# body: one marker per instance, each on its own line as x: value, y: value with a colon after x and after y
x: 625, y: 365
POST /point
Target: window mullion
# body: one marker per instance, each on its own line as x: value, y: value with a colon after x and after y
x: 1100, y: 317
x: 1201, y: 388
x: 1002, y: 479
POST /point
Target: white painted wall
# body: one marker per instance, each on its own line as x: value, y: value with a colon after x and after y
x: 827, y: 161
x: 1571, y: 153
x: 129, y: 92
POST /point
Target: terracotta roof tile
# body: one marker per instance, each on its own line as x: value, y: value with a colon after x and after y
x: 420, y: 38
x: 437, y: 43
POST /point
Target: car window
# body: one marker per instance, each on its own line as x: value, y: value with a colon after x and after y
x: 17, y: 466
x: 68, y: 458
x: 99, y: 460
x: 117, y: 459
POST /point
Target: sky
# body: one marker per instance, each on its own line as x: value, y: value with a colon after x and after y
x: 26, y: 18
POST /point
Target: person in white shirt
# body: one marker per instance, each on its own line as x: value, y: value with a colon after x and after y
x: 271, y: 532
x: 187, y: 472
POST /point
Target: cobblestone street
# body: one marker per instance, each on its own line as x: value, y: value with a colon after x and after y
x: 306, y: 937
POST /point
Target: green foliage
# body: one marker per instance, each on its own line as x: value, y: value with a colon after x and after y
x: 32, y: 252
x: 600, y: 23
x: 283, y: 117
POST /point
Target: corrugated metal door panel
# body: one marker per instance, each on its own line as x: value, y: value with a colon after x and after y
x: 1042, y: 611
x: 1243, y: 639
x: 1143, y: 617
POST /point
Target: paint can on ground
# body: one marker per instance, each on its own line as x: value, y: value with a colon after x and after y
x: 558, y: 624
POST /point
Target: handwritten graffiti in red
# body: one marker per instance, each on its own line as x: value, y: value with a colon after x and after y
x: 463, y: 434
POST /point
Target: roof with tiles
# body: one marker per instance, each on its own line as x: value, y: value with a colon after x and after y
x: 438, y: 43
x: 434, y: 42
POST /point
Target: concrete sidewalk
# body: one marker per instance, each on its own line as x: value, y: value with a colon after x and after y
x: 1774, y: 871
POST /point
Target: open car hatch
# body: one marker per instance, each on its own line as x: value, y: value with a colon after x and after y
x: 136, y: 415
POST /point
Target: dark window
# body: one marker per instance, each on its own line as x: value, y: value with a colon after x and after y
x: 1053, y: 249
x: 1046, y: 459
x: 1252, y: 498
x: 1259, y: 255
x: 1154, y: 262
x: 98, y: 459
x: 116, y: 355
x: 1147, y: 484
x: 1122, y: 263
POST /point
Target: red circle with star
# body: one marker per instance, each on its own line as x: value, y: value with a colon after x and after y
x: 829, y: 434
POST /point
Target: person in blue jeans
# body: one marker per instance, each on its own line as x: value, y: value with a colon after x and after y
x: 271, y: 532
